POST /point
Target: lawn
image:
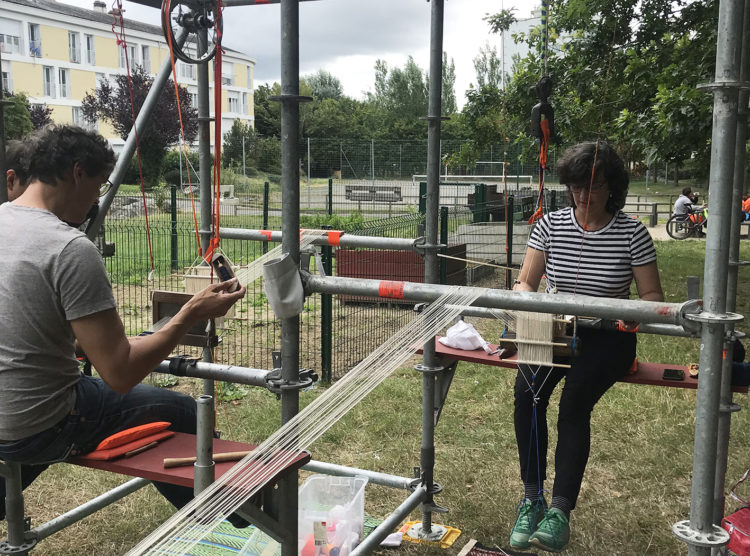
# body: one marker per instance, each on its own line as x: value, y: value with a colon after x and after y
x: 636, y: 486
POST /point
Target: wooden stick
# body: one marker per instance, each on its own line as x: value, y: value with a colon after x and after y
x: 222, y: 456
x: 543, y: 364
x: 480, y: 263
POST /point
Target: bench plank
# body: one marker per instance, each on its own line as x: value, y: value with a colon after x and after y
x: 647, y: 373
x: 150, y: 464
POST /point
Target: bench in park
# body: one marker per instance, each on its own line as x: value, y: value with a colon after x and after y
x: 376, y: 193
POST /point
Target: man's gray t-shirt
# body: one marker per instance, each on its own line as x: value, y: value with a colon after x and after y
x: 682, y: 205
x: 50, y: 274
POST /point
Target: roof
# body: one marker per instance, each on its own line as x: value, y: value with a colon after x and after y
x: 99, y: 17
x: 83, y: 13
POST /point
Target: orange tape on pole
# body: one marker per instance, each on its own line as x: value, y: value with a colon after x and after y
x: 390, y: 289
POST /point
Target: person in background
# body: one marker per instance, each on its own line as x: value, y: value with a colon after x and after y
x: 684, y: 203
x: 54, y: 290
x: 16, y: 168
x: 595, y: 249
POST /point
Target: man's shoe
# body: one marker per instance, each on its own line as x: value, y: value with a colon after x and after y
x: 530, y: 512
x: 553, y: 532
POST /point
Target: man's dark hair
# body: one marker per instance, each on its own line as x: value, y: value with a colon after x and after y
x: 575, y: 164
x: 686, y: 191
x: 55, y: 149
x: 17, y: 159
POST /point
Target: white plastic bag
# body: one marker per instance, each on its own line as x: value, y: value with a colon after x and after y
x: 463, y: 335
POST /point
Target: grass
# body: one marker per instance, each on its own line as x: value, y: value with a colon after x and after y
x: 636, y: 486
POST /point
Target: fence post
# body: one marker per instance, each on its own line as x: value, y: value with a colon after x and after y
x: 330, y: 196
x: 444, y: 241
x: 654, y: 215
x: 509, y: 214
x: 423, y: 197
x: 173, y: 230
x: 480, y: 203
x: 326, y: 319
x: 266, y: 195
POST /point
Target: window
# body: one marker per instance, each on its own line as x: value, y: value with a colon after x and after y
x: 194, y: 99
x: 101, y: 78
x: 48, y: 75
x: 78, y: 116
x: 146, y: 59
x: 234, y: 102
x: 244, y: 103
x: 131, y: 59
x: 74, y: 47
x: 64, y: 81
x: 10, y: 44
x: 90, y: 55
x: 227, y: 74
x: 35, y: 41
x: 249, y: 77
x: 7, y: 80
x: 185, y: 71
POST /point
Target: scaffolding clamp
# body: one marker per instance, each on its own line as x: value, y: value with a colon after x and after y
x: 179, y: 365
x: 276, y: 384
x: 715, y: 538
x: 424, y: 248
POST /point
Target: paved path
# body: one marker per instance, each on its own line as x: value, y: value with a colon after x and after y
x: 659, y: 233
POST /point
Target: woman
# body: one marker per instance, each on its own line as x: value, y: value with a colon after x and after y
x: 590, y: 248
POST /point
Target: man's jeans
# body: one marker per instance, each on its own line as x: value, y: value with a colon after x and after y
x: 98, y: 413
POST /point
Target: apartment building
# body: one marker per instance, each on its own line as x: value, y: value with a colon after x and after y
x: 56, y: 53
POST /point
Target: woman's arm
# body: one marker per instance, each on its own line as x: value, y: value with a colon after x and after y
x: 531, y: 271
x: 647, y: 282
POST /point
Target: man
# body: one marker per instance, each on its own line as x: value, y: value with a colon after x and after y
x: 684, y: 203
x: 54, y: 290
x: 16, y: 168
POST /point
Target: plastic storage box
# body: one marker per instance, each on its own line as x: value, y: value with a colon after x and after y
x: 337, y: 502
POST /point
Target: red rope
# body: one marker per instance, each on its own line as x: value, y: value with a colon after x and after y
x: 543, y: 148
x: 216, y: 240
x: 122, y: 43
x: 166, y: 7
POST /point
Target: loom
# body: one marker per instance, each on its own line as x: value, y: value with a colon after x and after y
x: 712, y: 322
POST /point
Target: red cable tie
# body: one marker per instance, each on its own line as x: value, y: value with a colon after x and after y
x: 391, y: 289
x: 334, y: 237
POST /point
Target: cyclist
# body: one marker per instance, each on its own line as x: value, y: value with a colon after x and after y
x: 684, y: 203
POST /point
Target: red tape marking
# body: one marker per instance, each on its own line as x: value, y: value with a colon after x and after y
x: 334, y: 238
x: 394, y: 290
x: 266, y: 234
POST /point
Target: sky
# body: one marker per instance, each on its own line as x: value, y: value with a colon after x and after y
x: 346, y: 37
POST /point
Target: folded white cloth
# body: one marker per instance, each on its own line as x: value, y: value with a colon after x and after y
x: 463, y: 335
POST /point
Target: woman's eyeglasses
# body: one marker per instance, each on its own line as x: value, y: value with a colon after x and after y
x: 593, y: 187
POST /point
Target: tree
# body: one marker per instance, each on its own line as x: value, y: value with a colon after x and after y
x: 113, y: 105
x: 267, y: 112
x: 488, y: 67
x: 17, y: 118
x: 41, y: 115
x: 324, y: 85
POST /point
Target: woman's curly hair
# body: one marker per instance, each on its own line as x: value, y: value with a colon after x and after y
x: 576, y: 163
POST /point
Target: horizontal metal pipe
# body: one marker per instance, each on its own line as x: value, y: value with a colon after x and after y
x: 84, y: 510
x: 662, y: 329
x: 228, y: 3
x: 345, y: 240
x: 373, y: 477
x: 566, y: 304
x: 214, y: 371
x: 374, y: 539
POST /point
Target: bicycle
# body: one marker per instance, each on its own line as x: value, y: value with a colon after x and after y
x: 683, y: 226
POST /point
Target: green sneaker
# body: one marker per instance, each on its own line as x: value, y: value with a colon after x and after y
x: 553, y: 532
x: 530, y: 512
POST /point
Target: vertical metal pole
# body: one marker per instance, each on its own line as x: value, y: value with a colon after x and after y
x: 372, y: 159
x: 244, y: 169
x: 444, y: 241
x: 308, y: 172
x: 432, y: 269
x: 725, y: 399
x: 326, y: 320
x: 204, y: 157
x: 3, y: 182
x: 290, y: 328
x: 715, y: 271
x: 509, y: 250
x: 266, y: 194
x: 173, y: 229
x: 330, y: 196
x: 204, y: 460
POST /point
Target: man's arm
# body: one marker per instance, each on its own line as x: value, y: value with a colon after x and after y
x: 121, y: 362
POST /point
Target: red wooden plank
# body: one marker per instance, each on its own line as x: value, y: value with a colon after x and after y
x: 648, y: 373
x: 150, y: 464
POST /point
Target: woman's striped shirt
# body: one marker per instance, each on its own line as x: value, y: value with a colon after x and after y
x: 598, y: 263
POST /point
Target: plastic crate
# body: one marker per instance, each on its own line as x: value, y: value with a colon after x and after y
x: 339, y: 502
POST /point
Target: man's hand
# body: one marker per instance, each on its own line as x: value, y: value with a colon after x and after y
x: 213, y: 301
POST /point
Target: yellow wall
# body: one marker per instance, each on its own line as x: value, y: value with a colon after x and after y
x: 27, y: 78
x: 61, y: 114
x: 55, y: 43
x: 106, y: 130
x: 81, y: 82
x: 107, y: 52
